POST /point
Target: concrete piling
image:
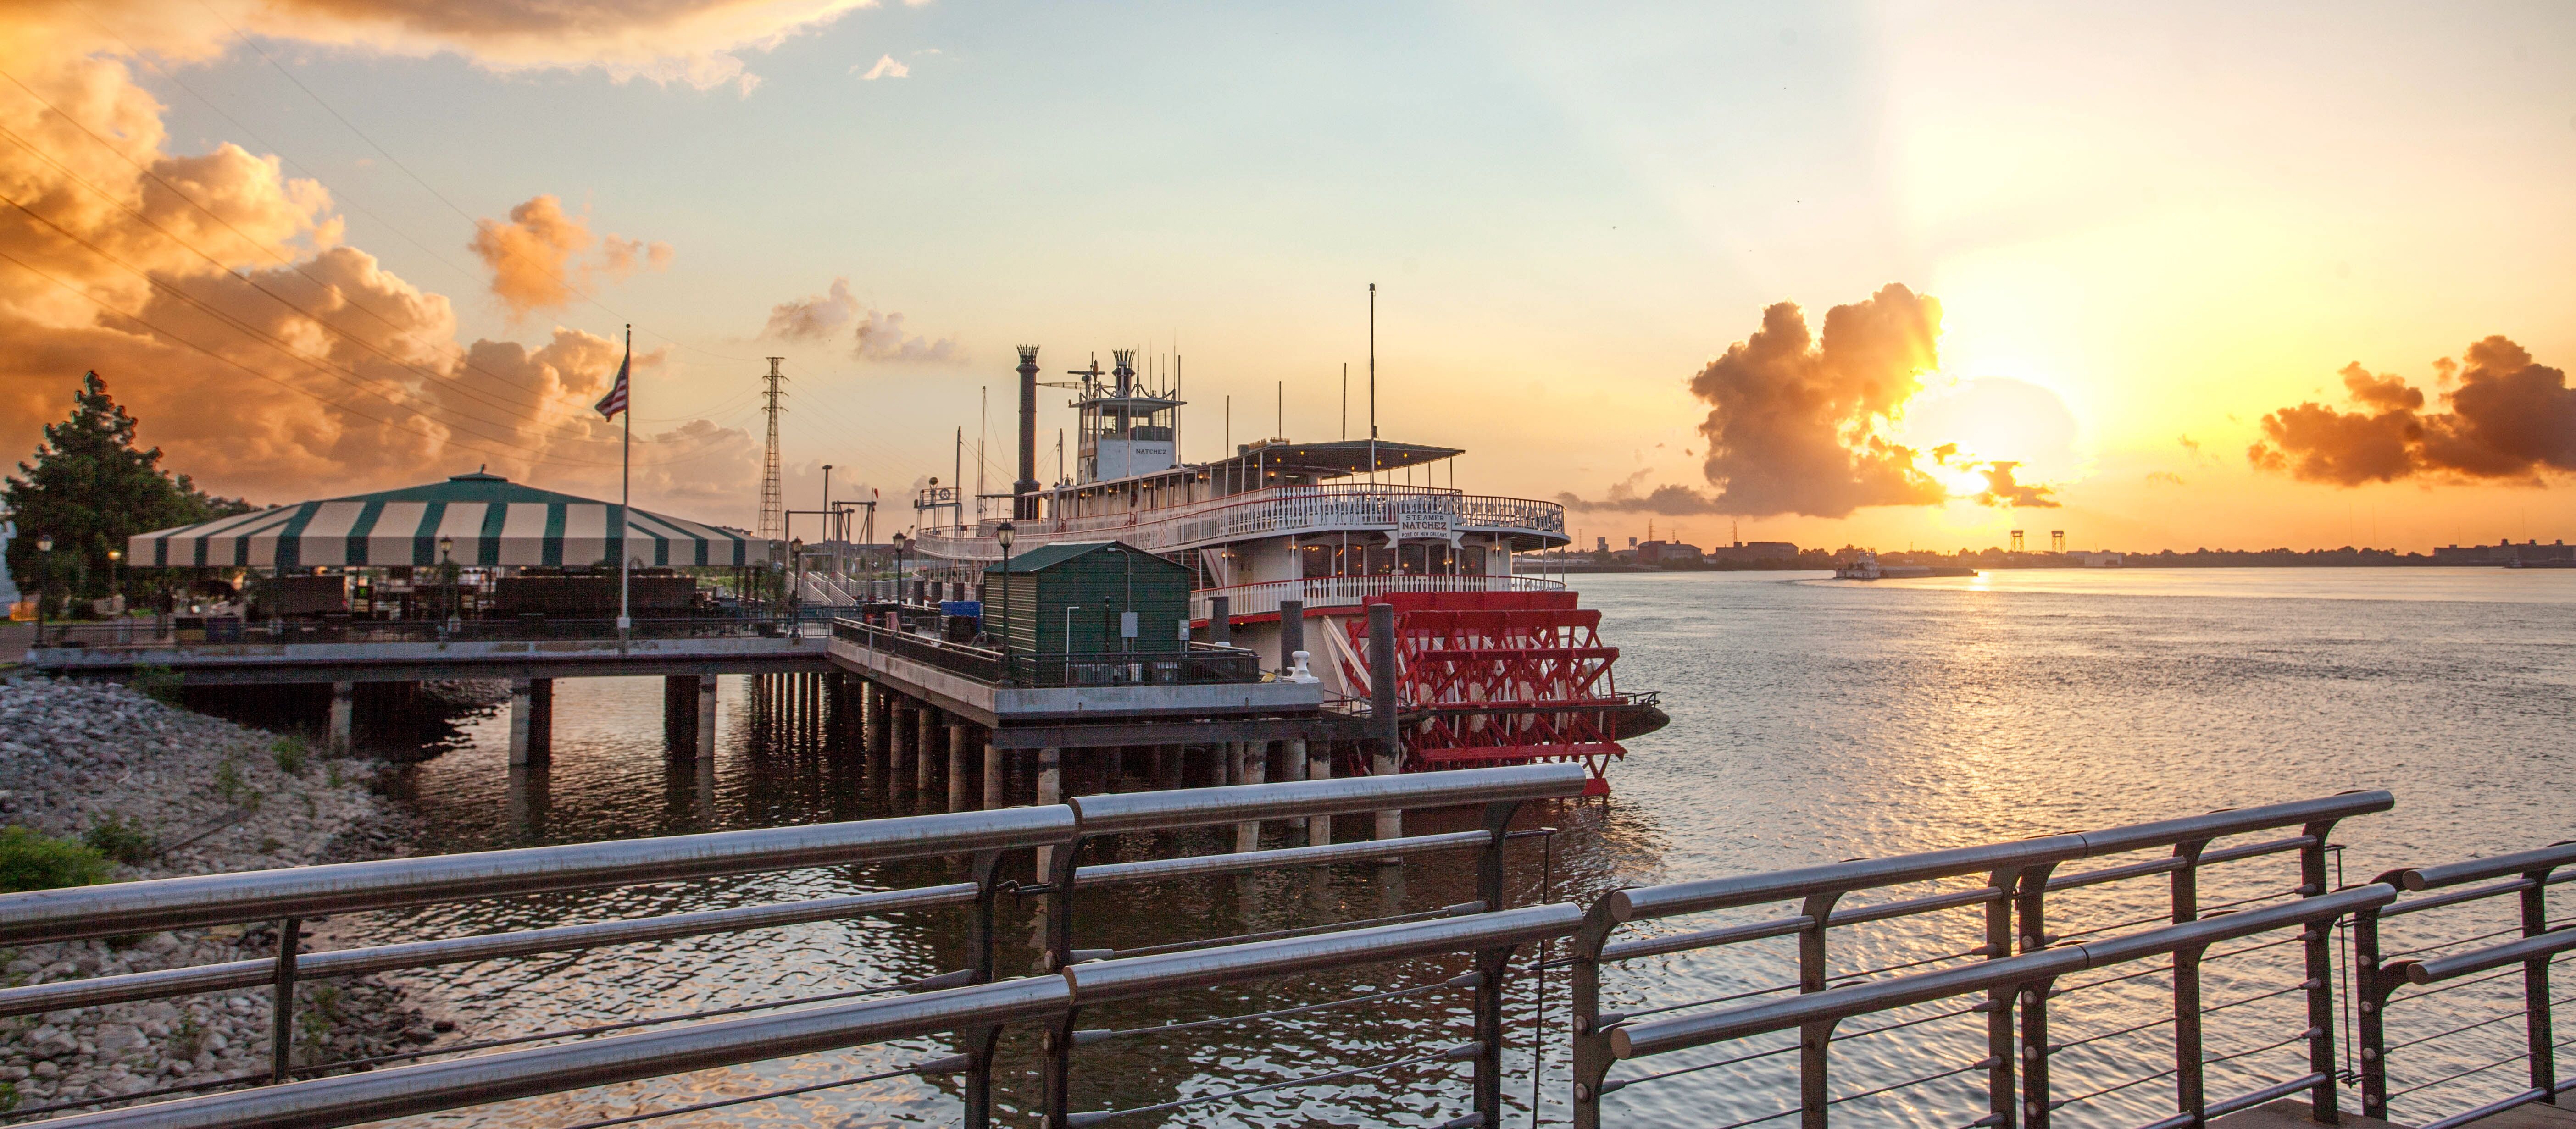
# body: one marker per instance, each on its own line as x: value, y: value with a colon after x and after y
x: 1050, y: 791
x: 706, y: 743
x: 531, y: 718
x: 344, y: 717
x: 1318, y: 765
x: 957, y: 773
x: 994, y: 774
x: 1255, y: 760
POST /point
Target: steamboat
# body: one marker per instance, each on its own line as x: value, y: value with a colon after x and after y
x: 1493, y: 667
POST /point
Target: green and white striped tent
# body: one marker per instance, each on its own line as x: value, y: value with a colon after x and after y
x: 491, y: 521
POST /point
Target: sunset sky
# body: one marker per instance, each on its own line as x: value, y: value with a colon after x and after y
x: 2128, y: 236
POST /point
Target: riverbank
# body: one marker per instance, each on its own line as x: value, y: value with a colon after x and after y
x: 164, y: 792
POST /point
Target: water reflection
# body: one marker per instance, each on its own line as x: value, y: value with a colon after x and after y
x: 1812, y: 722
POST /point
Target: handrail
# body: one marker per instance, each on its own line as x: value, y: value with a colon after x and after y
x: 2018, y: 878
x: 2526, y: 876
x: 1639, y: 1040
x: 2419, y: 879
x: 1753, y: 889
x: 351, y: 1099
x: 1106, y: 981
x: 1203, y: 807
x: 222, y: 899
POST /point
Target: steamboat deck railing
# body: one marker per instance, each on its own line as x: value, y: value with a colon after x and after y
x: 1272, y: 512
x: 2037, y: 966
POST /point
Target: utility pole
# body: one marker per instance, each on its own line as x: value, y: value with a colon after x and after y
x: 773, y: 503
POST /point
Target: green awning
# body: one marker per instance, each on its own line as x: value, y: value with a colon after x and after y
x: 488, y: 520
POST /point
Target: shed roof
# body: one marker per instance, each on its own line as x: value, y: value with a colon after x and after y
x: 1050, y: 555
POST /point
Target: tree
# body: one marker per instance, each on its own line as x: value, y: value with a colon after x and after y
x: 90, y: 489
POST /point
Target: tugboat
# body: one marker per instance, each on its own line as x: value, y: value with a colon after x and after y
x: 1493, y: 668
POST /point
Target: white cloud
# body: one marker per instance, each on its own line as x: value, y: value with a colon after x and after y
x: 886, y: 67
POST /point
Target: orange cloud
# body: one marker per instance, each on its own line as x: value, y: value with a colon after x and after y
x: 2510, y: 417
x: 215, y: 295
x: 537, y: 259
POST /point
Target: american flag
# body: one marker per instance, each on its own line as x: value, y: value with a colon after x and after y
x: 615, y: 402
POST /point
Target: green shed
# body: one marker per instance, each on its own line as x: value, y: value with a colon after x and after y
x: 1073, y: 597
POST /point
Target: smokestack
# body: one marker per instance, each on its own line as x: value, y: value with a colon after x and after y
x: 1023, y: 506
x: 1124, y: 370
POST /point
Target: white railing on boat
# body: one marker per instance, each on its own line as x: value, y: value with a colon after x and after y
x: 1347, y: 591
x: 1274, y: 511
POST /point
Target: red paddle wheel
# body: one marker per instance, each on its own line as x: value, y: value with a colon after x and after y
x: 1495, y: 678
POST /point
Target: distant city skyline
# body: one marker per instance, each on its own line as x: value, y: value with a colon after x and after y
x: 2192, y: 275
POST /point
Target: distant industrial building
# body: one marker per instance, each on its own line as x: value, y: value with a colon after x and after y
x: 1666, y: 553
x: 2505, y: 552
x: 1753, y: 552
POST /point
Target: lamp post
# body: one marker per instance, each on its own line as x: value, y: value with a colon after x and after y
x: 447, y: 580
x: 116, y: 575
x: 796, y: 589
x: 902, y: 545
x: 1003, y: 533
x: 44, y: 581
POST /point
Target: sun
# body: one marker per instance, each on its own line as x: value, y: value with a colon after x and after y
x: 1958, y: 480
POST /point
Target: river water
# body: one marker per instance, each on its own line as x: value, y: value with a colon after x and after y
x: 1813, y: 720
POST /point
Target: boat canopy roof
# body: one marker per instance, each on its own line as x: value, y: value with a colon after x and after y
x: 1336, y: 458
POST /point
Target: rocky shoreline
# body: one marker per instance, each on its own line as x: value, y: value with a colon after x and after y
x: 180, y: 793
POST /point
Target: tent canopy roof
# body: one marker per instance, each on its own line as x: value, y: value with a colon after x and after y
x: 484, y: 519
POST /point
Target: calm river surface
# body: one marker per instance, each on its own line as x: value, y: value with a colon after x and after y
x: 1813, y: 720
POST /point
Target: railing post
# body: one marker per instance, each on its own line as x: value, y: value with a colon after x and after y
x: 1592, y: 1059
x: 2001, y: 1095
x: 1492, y: 965
x: 281, y: 1026
x: 2030, y: 914
x: 1814, y: 1039
x: 978, y: 1043
x: 2374, y: 986
x: 2191, y: 1092
x: 2318, y: 938
x: 2536, y: 1024
x: 1057, y: 1045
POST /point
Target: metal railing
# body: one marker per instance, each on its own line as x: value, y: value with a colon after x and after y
x: 2010, y: 977
x: 145, y: 635
x: 1480, y: 927
x: 2440, y: 965
x: 1348, y: 591
x: 966, y: 1000
x: 1201, y: 664
x: 2018, y: 877
x: 1271, y: 512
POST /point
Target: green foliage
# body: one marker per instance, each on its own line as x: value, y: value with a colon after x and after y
x: 8, y: 1096
x: 91, y: 489
x: 289, y: 751
x: 117, y: 838
x: 31, y: 860
x: 157, y: 682
x: 232, y: 789
x: 314, y: 1022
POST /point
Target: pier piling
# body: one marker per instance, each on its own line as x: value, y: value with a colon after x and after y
x: 994, y: 773
x: 957, y: 773
x: 532, y: 708
x: 706, y: 744
x: 344, y: 717
x: 1254, y: 757
x: 1385, y: 728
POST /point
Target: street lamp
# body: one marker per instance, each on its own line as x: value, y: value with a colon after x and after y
x: 1003, y: 533
x: 44, y: 581
x: 902, y: 545
x: 447, y: 578
x: 796, y: 582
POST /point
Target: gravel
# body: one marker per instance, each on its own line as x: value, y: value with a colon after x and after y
x: 214, y: 798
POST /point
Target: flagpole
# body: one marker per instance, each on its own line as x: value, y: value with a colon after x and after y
x: 625, y: 489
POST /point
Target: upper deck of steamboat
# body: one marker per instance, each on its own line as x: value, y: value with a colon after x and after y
x: 1272, y: 489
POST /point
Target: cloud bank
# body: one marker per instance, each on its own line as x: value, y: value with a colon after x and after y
x: 2510, y: 418
x: 215, y: 293
x: 1799, y: 422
